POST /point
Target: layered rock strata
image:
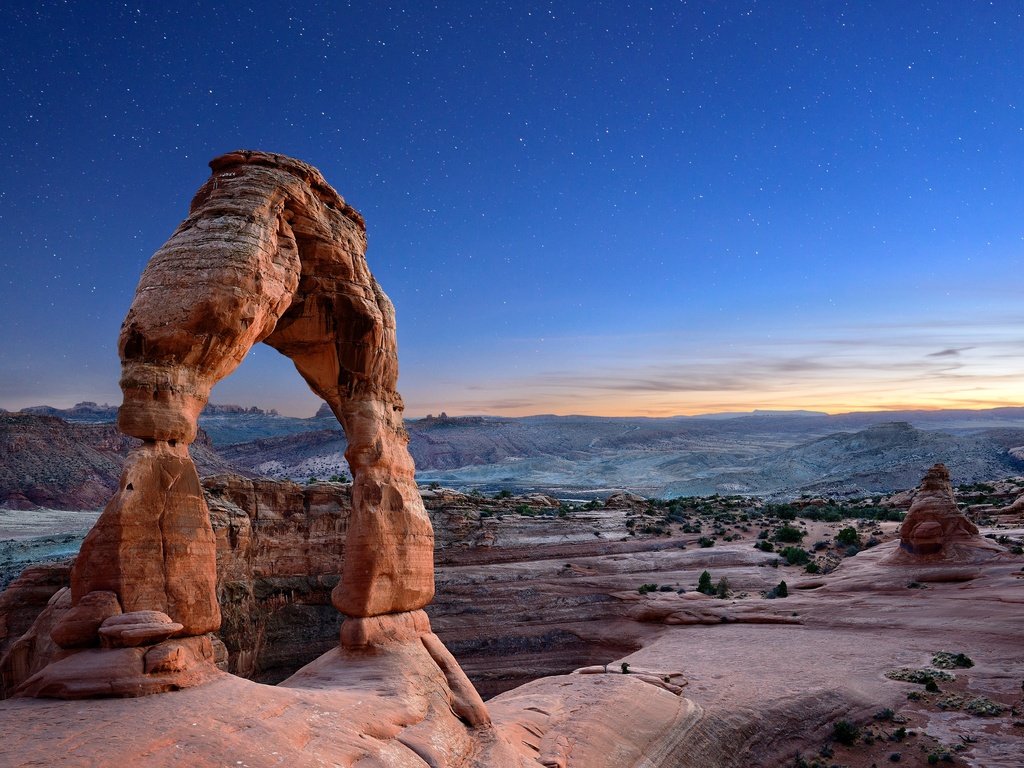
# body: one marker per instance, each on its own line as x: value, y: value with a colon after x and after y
x: 269, y: 252
x: 934, y: 519
x: 935, y: 527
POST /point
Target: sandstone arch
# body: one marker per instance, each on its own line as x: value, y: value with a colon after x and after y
x: 269, y: 252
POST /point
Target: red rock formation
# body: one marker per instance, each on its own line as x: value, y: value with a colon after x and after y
x: 270, y: 252
x: 934, y: 521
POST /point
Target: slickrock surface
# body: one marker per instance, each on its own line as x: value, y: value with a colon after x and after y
x: 767, y: 678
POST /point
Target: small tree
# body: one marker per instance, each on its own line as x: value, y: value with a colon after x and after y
x: 722, y: 590
x: 704, y: 584
x: 782, y: 590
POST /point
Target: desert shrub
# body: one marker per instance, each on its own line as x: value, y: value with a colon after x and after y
x: 789, y: 534
x: 765, y: 546
x: 338, y: 478
x: 625, y: 667
x: 845, y: 732
x: 848, y: 536
x: 311, y: 481
x: 984, y: 707
x: 781, y: 511
x: 704, y: 584
x: 666, y: 588
x: 919, y: 676
x: 947, y: 660
x: 722, y: 590
x: 780, y: 590
x: 931, y: 686
x: 705, y: 542
x: 504, y: 493
x: 795, y: 556
x: 643, y: 589
x: 851, y: 550
x: 434, y: 486
x: 820, y: 545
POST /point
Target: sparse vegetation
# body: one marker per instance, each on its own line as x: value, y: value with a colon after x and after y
x: 947, y: 660
x: 789, y: 535
x: 845, y: 732
x: 704, y: 584
x: 795, y: 556
x: 722, y: 588
x: 847, y: 537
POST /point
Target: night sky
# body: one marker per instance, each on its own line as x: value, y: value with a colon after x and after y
x: 597, y: 207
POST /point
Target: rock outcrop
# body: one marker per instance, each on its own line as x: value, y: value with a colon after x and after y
x: 270, y: 252
x: 934, y: 519
x: 934, y: 526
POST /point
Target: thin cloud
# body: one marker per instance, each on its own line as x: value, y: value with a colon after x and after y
x: 949, y: 352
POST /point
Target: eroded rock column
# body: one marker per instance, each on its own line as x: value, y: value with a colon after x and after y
x: 269, y: 252
x: 934, y: 520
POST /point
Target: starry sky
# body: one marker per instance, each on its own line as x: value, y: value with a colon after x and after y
x: 609, y: 208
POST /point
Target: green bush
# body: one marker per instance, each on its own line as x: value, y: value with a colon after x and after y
x: 848, y: 536
x: 704, y: 584
x: 947, y: 660
x: 789, y: 534
x: 722, y: 590
x: 643, y: 589
x: 795, y: 556
x: 705, y: 542
x: 845, y: 732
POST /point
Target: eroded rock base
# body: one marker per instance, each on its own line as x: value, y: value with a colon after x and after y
x: 126, y: 672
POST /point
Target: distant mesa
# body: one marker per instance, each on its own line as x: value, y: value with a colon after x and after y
x: 213, y: 409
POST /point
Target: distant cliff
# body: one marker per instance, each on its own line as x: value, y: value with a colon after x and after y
x: 48, y: 462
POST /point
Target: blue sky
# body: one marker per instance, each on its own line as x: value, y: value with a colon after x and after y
x: 619, y: 208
